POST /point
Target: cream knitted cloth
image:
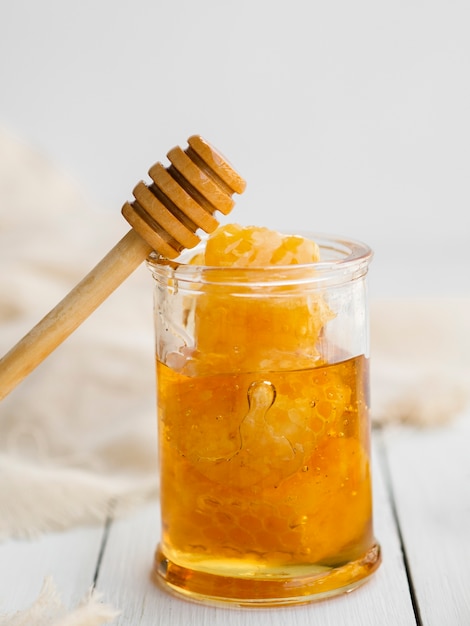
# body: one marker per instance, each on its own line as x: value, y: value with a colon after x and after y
x: 80, y: 431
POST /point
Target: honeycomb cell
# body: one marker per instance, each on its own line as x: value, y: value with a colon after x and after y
x: 251, y: 523
x: 275, y: 524
x: 239, y: 537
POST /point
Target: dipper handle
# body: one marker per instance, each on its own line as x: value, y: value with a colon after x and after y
x: 164, y: 216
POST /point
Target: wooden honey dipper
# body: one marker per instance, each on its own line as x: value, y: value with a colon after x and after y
x: 164, y: 216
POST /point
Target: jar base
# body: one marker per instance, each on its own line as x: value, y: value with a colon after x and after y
x: 213, y: 589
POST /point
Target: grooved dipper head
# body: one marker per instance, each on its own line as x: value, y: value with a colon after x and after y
x: 183, y: 197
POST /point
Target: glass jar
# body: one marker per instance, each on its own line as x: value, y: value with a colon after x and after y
x: 264, y: 432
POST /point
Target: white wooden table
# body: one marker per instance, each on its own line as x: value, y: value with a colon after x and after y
x: 422, y: 520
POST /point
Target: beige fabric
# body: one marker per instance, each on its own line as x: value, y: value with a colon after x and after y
x: 420, y: 372
x: 83, y: 423
x: 80, y: 432
x: 48, y: 610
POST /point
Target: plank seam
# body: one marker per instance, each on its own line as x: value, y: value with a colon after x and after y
x: 384, y: 462
x: 104, y: 543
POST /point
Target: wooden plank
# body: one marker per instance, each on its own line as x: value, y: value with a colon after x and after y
x: 430, y: 474
x: 394, y: 594
x: 124, y: 578
x: 69, y: 557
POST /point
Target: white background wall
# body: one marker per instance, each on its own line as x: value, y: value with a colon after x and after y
x: 344, y: 117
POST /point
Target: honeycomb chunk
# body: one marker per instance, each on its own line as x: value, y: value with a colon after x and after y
x: 256, y: 246
x: 262, y: 327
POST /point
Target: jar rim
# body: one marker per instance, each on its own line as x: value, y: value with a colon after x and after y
x: 341, y: 256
